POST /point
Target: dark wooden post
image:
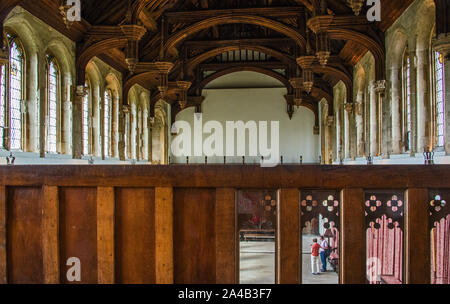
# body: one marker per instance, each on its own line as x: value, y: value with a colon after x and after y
x: 225, y: 214
x: 417, y: 237
x: 289, y: 242
x: 352, y: 261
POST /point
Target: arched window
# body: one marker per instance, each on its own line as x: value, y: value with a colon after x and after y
x: 3, y: 97
x: 439, y: 81
x: 85, y: 113
x: 16, y: 95
x: 52, y: 106
x: 407, y: 122
x: 107, y: 121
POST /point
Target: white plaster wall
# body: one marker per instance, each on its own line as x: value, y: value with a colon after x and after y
x: 258, y: 104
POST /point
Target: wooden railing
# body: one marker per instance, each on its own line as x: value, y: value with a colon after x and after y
x: 177, y: 224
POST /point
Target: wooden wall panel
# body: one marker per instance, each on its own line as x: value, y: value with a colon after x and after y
x: 417, y: 237
x: 194, y: 236
x: 135, y: 235
x: 24, y: 235
x: 78, y: 231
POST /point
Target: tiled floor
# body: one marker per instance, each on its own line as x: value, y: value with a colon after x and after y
x: 257, y: 264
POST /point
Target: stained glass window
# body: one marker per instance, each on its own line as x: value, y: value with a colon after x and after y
x: 2, y: 103
x: 440, y: 121
x: 86, y: 123
x: 407, y: 77
x: 52, y: 107
x: 107, y: 121
x: 16, y: 66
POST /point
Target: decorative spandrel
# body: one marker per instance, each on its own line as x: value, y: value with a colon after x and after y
x: 388, y: 204
x: 320, y: 203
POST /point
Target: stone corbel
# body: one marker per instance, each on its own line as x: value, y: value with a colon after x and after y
x: 349, y: 107
x: 4, y: 56
x: 442, y: 44
x: 380, y: 87
x: 330, y: 121
x: 316, y: 130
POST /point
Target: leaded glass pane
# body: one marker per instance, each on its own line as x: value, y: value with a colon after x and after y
x: 439, y: 70
x: 107, y: 122
x: 86, y: 124
x: 16, y: 96
x: 52, y: 107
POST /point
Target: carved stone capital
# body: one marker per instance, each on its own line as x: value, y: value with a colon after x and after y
x: 349, y: 107
x: 442, y: 44
x: 330, y: 121
x: 316, y: 130
x: 380, y: 87
x: 4, y: 56
x: 81, y: 91
x: 125, y: 109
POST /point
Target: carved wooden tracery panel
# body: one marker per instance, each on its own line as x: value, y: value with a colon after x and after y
x: 384, y: 219
x: 439, y: 224
x: 315, y: 203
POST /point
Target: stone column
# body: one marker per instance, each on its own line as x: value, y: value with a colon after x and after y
x: 77, y: 122
x: 396, y: 116
x: 348, y: 117
x: 43, y: 115
x: 359, y: 124
x: 329, y: 140
x: 150, y: 123
x: 115, y: 127
x: 423, y: 101
x: 442, y: 45
x: 380, y: 90
x: 122, y: 129
x: 413, y: 85
x: 373, y: 121
x: 338, y: 136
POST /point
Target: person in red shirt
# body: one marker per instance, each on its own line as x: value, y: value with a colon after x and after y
x: 315, y: 259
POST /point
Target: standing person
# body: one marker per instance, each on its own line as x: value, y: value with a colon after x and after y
x: 323, y: 252
x: 315, y: 257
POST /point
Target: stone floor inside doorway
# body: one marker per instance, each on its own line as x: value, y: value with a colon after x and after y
x: 257, y: 264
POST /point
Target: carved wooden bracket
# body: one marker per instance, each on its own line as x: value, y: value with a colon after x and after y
x: 134, y: 34
x: 163, y: 68
x: 184, y: 87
